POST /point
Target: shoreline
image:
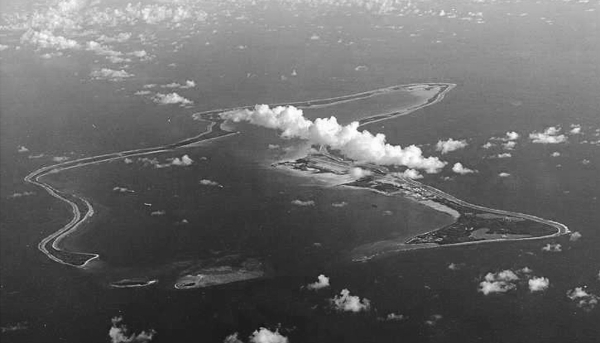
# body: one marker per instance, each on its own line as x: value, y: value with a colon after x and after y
x: 50, y: 245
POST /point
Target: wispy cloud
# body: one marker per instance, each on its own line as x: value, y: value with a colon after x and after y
x: 552, y: 247
x: 119, y: 189
x: 302, y: 203
x: 206, y: 182
x: 21, y: 194
x: 186, y: 85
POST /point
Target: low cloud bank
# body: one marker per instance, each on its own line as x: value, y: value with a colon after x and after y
x: 361, y: 146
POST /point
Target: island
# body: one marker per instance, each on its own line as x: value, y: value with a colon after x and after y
x: 471, y: 223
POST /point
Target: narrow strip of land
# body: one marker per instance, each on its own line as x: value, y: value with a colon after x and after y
x: 82, y: 209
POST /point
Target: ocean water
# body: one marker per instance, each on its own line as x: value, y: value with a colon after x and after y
x: 513, y: 73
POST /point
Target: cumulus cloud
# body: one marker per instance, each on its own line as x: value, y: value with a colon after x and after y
x: 500, y: 282
x: 538, y: 284
x: 119, y: 333
x: 322, y: 282
x: 339, y: 204
x: 110, y: 74
x: 158, y: 213
x: 171, y: 99
x: 450, y: 145
x: 575, y: 129
x: 184, y: 161
x: 488, y: 145
x: 504, y: 174
x: 233, y: 338
x: 511, y: 136
x: 350, y: 303
x: 575, y: 236
x: 510, y: 145
x: 410, y: 173
x: 22, y: 149
x: 458, y: 168
x: 264, y: 335
x: 359, y: 173
x: 504, y: 155
x: 150, y: 161
x: 301, y: 203
x: 583, y: 299
x: 362, y: 146
x: 549, y: 136
x: 45, y: 39
x: 555, y: 154
x: 552, y: 247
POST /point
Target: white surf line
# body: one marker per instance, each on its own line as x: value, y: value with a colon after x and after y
x: 77, y: 220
